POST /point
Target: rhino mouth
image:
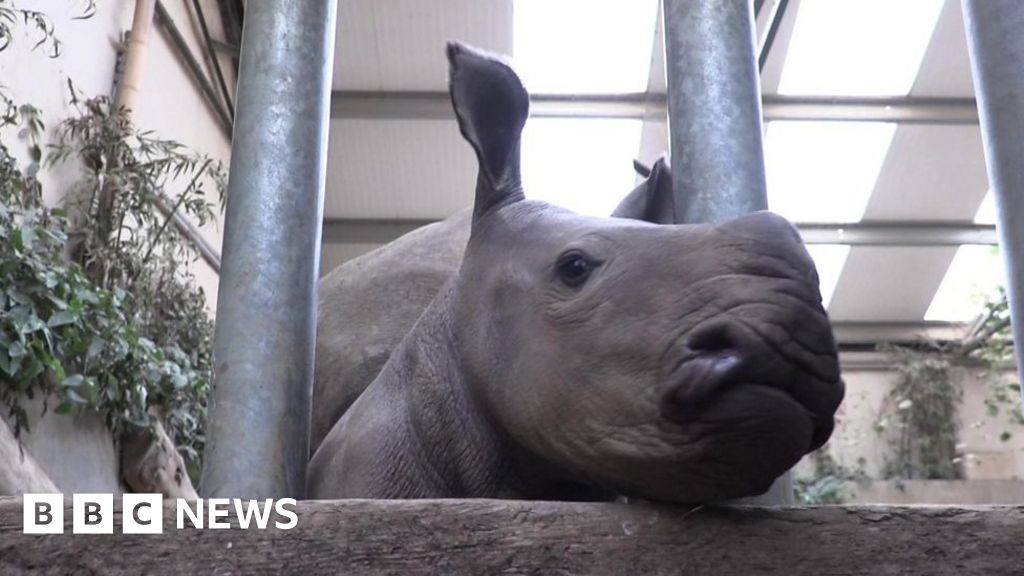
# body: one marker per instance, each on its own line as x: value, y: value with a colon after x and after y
x: 706, y: 375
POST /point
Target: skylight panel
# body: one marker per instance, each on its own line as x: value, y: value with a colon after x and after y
x: 829, y: 259
x: 862, y: 48
x: 585, y: 165
x: 824, y: 171
x: 987, y: 211
x: 973, y: 276
x: 584, y: 46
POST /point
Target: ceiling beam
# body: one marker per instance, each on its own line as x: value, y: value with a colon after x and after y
x: 437, y: 106
x: 899, y: 234
x: 382, y: 231
x: 867, y: 335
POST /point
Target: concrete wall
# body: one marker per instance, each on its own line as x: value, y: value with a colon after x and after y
x: 937, y: 492
x: 985, y: 455
x: 993, y: 467
x: 77, y: 451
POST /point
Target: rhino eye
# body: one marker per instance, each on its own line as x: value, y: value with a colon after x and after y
x: 574, y: 268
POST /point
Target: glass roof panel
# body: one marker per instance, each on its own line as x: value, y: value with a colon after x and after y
x: 973, y: 276
x: 829, y: 259
x: 987, y: 211
x: 584, y: 46
x: 824, y: 171
x: 585, y: 165
x: 862, y: 48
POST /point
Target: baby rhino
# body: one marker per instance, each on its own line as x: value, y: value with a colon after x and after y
x: 575, y: 357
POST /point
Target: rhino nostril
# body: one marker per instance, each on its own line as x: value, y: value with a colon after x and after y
x: 713, y: 338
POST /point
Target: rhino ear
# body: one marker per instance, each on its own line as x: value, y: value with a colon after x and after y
x: 641, y: 168
x: 652, y: 200
x: 491, y: 106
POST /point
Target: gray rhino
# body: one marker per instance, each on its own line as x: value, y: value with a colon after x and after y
x: 574, y: 357
x: 368, y: 304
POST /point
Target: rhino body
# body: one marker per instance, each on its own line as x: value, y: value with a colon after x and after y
x: 573, y: 357
x: 370, y: 303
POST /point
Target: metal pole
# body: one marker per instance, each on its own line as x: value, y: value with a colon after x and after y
x: 714, y: 108
x: 266, y: 314
x: 995, y: 41
x: 714, y: 105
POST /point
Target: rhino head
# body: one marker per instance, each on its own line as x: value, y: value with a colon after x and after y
x: 582, y: 357
x: 689, y: 363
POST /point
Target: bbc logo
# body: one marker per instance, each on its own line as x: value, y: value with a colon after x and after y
x: 93, y: 514
x: 144, y: 513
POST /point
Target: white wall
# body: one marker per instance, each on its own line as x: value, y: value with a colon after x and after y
x: 78, y: 453
x: 169, y: 104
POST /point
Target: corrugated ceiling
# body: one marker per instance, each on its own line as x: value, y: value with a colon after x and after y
x: 421, y: 169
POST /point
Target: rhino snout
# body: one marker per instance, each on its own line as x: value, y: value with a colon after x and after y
x: 725, y: 355
x: 774, y: 245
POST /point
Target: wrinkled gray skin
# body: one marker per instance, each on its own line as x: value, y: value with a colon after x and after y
x: 575, y: 357
x: 367, y: 305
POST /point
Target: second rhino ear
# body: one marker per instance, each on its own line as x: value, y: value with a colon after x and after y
x: 651, y: 201
x: 491, y: 106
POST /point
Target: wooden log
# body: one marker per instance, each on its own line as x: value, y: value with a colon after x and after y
x: 514, y: 537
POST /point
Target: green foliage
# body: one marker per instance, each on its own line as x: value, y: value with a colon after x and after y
x: 829, y: 481
x: 125, y: 242
x: 920, y: 417
x: 101, y: 312
x: 990, y: 339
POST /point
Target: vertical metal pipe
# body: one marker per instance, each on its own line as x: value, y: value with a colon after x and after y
x: 266, y: 313
x: 714, y: 104
x: 714, y: 108
x: 995, y: 41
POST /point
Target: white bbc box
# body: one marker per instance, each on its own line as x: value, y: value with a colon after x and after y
x: 142, y: 514
x: 92, y: 514
x: 43, y: 514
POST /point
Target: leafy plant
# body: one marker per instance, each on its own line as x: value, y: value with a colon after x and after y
x: 920, y: 417
x: 102, y: 312
x: 41, y: 24
x: 829, y: 480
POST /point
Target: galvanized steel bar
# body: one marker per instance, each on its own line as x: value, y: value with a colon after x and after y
x: 385, y: 105
x: 995, y: 41
x: 714, y: 106
x: 890, y: 233
x: 898, y: 233
x: 266, y: 314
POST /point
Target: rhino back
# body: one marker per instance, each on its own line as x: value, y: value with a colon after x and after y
x: 368, y: 304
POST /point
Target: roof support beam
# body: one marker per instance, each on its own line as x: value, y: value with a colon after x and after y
x: 437, y: 106
x: 898, y: 234
x: 382, y: 231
